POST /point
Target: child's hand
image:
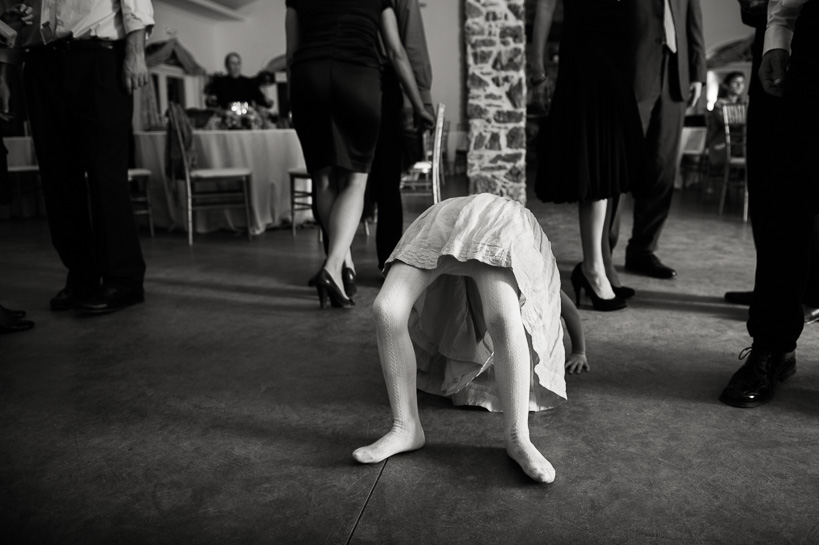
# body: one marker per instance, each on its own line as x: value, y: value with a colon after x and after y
x: 576, y: 363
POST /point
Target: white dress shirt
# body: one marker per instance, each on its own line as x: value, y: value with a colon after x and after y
x: 782, y: 15
x: 85, y: 19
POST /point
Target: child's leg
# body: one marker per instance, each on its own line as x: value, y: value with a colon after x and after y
x: 402, y: 287
x: 501, y: 309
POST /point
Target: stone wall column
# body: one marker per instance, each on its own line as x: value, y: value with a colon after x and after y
x: 496, y: 105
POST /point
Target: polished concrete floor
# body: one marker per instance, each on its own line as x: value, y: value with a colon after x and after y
x: 225, y: 410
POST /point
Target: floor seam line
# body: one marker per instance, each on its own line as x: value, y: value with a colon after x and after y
x: 366, y: 502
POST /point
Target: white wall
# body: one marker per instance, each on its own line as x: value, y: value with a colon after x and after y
x: 259, y: 38
x: 195, y: 32
x: 721, y: 22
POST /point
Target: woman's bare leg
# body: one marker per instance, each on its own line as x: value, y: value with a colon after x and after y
x: 402, y: 287
x: 343, y: 220
x: 592, y: 217
x: 608, y: 264
x: 513, y: 368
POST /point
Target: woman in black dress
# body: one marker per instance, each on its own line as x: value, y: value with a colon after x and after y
x: 592, y: 147
x: 335, y: 94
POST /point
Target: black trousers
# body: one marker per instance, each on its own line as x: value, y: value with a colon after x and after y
x: 662, y: 115
x: 80, y: 116
x: 784, y: 221
x: 384, y: 182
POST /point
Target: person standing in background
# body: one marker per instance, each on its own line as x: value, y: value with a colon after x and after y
x: 764, y: 112
x: 13, y: 19
x: 784, y: 226
x: 83, y: 60
x: 385, y: 175
x: 668, y: 56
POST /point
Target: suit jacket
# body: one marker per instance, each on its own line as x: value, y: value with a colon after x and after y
x: 649, y: 42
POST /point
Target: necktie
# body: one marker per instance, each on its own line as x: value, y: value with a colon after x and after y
x: 668, y: 25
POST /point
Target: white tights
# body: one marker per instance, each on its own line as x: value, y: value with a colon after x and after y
x: 501, y: 309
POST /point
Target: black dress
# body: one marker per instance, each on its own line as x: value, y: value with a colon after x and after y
x: 592, y: 146
x: 335, y: 87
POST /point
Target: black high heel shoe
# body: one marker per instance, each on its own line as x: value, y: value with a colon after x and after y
x: 580, y: 282
x: 327, y: 289
x: 348, y: 279
x: 623, y: 292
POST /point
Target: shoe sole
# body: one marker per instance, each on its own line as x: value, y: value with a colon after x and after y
x: 785, y: 375
x: 97, y: 312
x: 649, y: 275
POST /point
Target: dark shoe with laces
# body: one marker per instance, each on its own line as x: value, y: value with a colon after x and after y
x: 15, y: 326
x: 11, y: 313
x: 754, y: 383
x: 70, y: 297
x: 108, y: 299
x: 649, y: 265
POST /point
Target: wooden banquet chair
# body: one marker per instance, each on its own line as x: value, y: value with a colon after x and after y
x: 140, y: 196
x: 302, y: 199
x: 206, y: 188
x: 25, y: 182
x: 733, y: 119
x: 428, y: 175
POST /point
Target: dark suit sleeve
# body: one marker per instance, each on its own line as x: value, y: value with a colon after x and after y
x: 411, y: 30
x: 697, y: 70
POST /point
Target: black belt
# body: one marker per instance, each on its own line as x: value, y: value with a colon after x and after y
x: 76, y: 45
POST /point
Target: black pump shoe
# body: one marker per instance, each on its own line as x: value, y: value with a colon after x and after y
x: 348, y: 278
x: 327, y: 289
x: 623, y: 292
x: 580, y: 282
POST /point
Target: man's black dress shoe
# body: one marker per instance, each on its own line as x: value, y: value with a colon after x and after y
x: 649, y: 265
x: 16, y: 314
x: 110, y: 299
x: 739, y: 297
x: 753, y: 384
x: 70, y: 296
x: 15, y: 326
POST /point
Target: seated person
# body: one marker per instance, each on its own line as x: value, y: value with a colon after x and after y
x: 730, y: 92
x: 234, y: 87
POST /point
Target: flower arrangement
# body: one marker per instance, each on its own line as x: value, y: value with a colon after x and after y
x: 239, y: 117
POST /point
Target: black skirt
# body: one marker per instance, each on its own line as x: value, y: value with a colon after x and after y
x: 337, y: 113
x: 591, y: 146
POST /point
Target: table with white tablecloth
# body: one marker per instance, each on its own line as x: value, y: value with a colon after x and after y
x: 269, y: 154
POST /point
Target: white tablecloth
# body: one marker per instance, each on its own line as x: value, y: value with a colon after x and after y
x: 269, y: 154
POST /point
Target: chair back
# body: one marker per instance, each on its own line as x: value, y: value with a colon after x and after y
x: 733, y: 119
x: 437, y: 155
x: 179, y: 156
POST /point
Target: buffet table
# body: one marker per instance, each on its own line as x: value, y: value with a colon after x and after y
x: 268, y: 153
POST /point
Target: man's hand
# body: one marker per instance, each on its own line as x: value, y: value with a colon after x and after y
x: 134, y: 69
x: 772, y: 71
x: 18, y: 16
x: 694, y: 93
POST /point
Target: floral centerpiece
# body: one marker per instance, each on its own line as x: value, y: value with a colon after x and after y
x: 239, y: 117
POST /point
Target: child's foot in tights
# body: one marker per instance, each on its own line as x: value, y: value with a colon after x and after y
x: 401, y: 438
x: 530, y: 460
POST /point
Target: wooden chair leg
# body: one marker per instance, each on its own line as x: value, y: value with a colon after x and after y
x: 246, y: 190
x: 293, y: 204
x: 724, y: 188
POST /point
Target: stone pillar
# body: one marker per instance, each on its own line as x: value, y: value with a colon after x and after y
x: 496, y: 105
